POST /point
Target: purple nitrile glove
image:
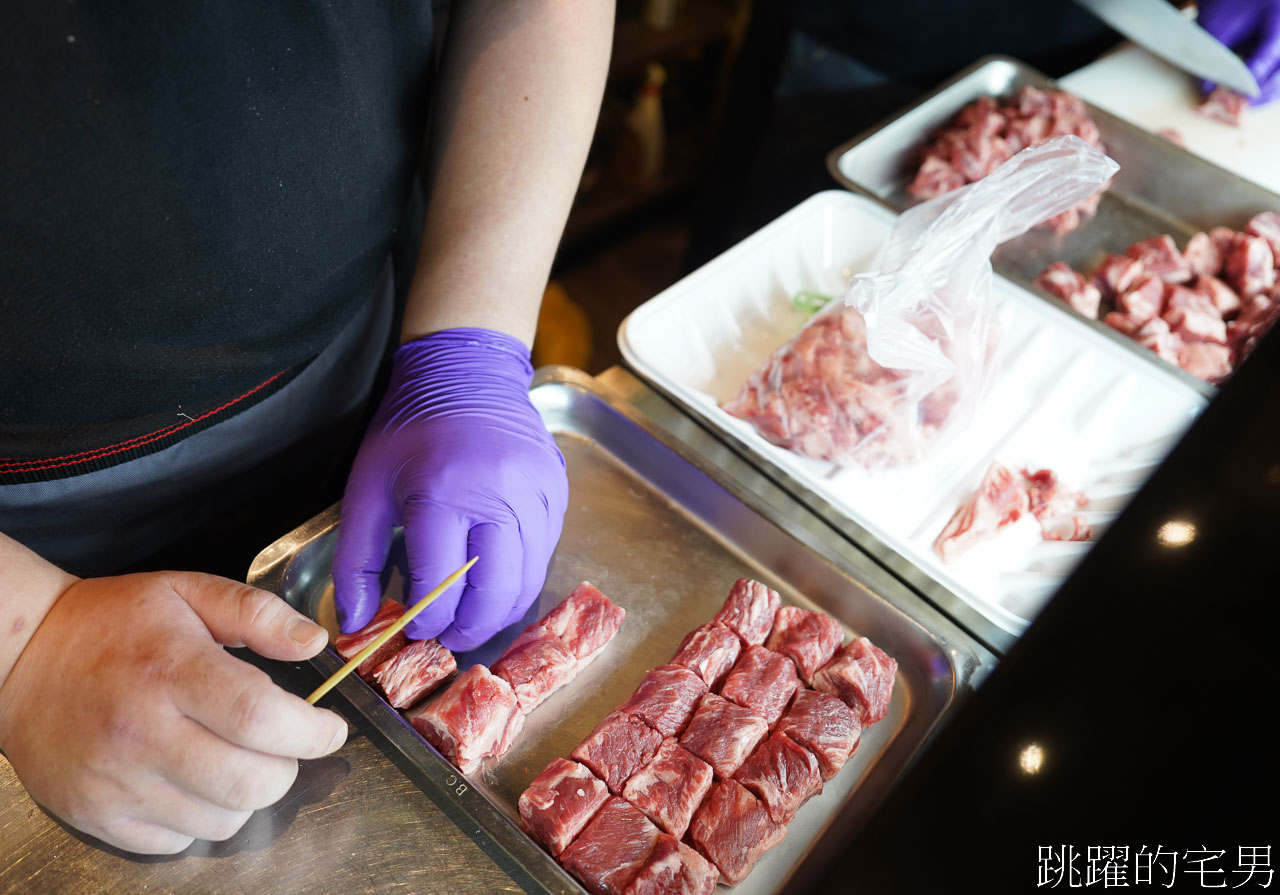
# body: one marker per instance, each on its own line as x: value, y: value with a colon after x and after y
x: 1252, y: 29
x: 456, y: 454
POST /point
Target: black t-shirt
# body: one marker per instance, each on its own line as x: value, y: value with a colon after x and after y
x: 193, y: 199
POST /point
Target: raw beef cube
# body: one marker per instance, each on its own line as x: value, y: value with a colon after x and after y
x: 585, y: 621
x: 535, y: 665
x: 1065, y: 104
x: 1207, y: 360
x: 862, y: 675
x: 1222, y: 296
x: 825, y: 726
x: 1193, y: 316
x: 781, y: 774
x: 762, y: 681
x: 749, y: 610
x: 1225, y: 239
x: 1266, y: 226
x: 1122, y: 322
x: 348, y: 645
x: 709, y: 652
x: 670, y: 787
x: 1060, y: 280
x: 1256, y: 317
x: 1033, y: 101
x: 612, y: 848
x: 806, y: 637
x: 1250, y: 266
x: 723, y: 733
x: 733, y: 829
x: 1143, y: 299
x: 1061, y: 224
x: 475, y: 718
x: 1202, y: 255
x: 1156, y: 336
x: 1160, y: 256
x: 620, y: 745
x: 559, y: 803
x: 1020, y: 133
x: 1000, y: 500
x: 935, y: 177
x: 414, y: 672
x: 674, y: 868
x: 665, y: 698
x: 1223, y: 104
x: 981, y: 116
x: 1117, y: 274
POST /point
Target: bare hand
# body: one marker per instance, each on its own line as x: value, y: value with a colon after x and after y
x: 125, y: 717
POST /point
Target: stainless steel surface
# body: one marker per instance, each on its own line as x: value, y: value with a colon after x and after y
x: 664, y: 533
x: 1173, y: 36
x: 1161, y: 188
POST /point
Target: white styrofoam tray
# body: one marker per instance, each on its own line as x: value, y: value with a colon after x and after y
x: 1065, y: 398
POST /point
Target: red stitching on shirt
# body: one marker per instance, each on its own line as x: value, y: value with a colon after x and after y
x: 132, y: 443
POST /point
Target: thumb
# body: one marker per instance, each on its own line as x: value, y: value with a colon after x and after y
x: 239, y: 615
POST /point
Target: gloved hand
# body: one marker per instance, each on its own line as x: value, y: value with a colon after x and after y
x: 456, y: 454
x: 1252, y: 29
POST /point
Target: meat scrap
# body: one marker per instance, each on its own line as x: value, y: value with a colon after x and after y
x: 1054, y: 507
x: 665, y: 699
x: 723, y: 733
x: 733, y: 830
x: 1001, y: 500
x: 670, y: 787
x: 823, y: 724
x: 559, y: 802
x: 749, y: 610
x: 709, y: 651
x: 619, y: 746
x: 673, y: 868
x: 476, y: 718
x: 806, y: 637
x: 414, y: 672
x: 862, y: 675
x: 1225, y: 105
x: 609, y: 853
x: 781, y: 774
x: 762, y: 681
x: 349, y: 646
x: 1060, y: 280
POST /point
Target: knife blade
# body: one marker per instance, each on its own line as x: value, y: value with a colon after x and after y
x: 1166, y: 32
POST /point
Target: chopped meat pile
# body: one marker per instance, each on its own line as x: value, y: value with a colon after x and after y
x: 689, y: 756
x: 987, y: 132
x: 1002, y: 498
x: 1202, y: 308
x: 1225, y: 105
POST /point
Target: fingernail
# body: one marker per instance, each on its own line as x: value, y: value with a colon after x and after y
x: 303, y: 631
x: 339, y: 737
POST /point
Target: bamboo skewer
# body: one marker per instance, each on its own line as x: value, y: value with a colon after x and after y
x: 392, y: 631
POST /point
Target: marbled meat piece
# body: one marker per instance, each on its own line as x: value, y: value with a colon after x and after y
x: 1207, y: 360
x: 1156, y: 336
x: 414, y: 672
x: 733, y: 829
x: 1160, y: 256
x: 1117, y: 274
x: 709, y: 652
x: 1265, y: 226
x: 665, y: 698
x: 1202, y: 255
x: 749, y: 610
x: 559, y: 803
x: 674, y: 868
x: 1000, y: 500
x: 723, y: 733
x: 1143, y: 299
x: 475, y: 718
x: 1060, y: 280
x: 619, y: 746
x: 536, y: 664
x: 670, y: 787
x: 1054, y: 506
x: 935, y: 177
x: 1225, y: 105
x: 862, y: 675
x: 585, y: 621
x: 783, y: 775
x: 1222, y: 296
x: 762, y: 681
x: 1193, y: 316
x: 807, y: 638
x: 1122, y: 322
x: 823, y: 724
x: 1250, y: 267
x: 348, y: 645
x: 612, y: 848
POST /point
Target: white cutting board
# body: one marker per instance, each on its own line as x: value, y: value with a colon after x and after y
x: 1151, y: 93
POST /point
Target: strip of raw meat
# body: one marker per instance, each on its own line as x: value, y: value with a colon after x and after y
x: 762, y: 681
x: 1250, y: 266
x: 1266, y: 226
x: 1000, y: 500
x: 475, y: 718
x: 559, y: 803
x: 749, y: 610
x: 1117, y: 274
x: 806, y: 637
x: 673, y: 868
x: 723, y: 733
x: 1144, y: 299
x: 620, y: 745
x: 1060, y: 280
x: 1225, y: 105
x: 1193, y: 316
x: 609, y: 853
x: 536, y: 664
x: 670, y: 787
x: 782, y: 775
x: 733, y: 829
x: 1160, y: 256
x: 1207, y: 360
x: 1202, y: 255
x: 665, y: 698
x: 414, y: 672
x: 585, y: 621
x: 862, y: 675
x: 825, y: 726
x: 1222, y: 296
x: 709, y: 651
x: 348, y: 645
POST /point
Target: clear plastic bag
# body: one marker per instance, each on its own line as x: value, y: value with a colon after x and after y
x: 884, y: 375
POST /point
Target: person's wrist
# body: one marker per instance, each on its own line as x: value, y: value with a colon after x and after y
x: 477, y: 337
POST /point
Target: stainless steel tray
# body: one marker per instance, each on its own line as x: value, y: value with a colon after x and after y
x: 664, y: 534
x: 1161, y: 187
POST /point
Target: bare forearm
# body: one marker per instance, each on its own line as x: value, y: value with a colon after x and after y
x: 28, y: 587
x: 518, y: 97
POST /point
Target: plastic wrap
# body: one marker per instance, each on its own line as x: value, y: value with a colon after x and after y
x: 887, y: 373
